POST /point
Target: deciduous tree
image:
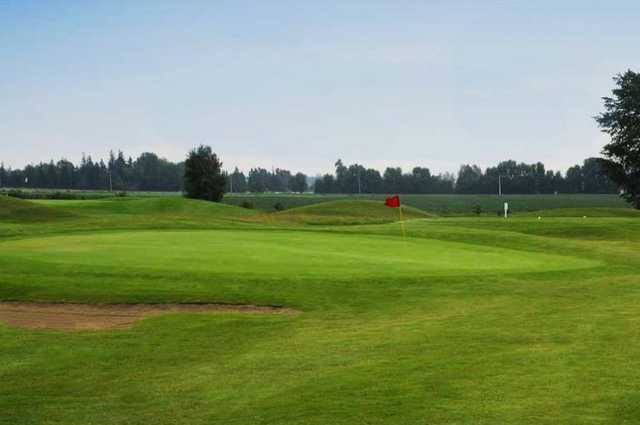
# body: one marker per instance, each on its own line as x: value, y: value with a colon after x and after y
x: 621, y: 121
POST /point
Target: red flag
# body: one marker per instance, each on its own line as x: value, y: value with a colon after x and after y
x: 393, y: 201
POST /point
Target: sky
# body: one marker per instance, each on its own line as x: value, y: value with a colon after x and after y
x: 299, y: 84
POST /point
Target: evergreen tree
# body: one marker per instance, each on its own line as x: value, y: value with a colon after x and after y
x: 298, y: 183
x: 203, y: 178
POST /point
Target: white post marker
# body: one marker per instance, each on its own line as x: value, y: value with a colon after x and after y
x: 506, y: 210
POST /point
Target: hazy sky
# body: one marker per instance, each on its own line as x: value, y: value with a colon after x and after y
x: 298, y: 84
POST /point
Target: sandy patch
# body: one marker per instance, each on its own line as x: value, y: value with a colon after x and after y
x: 72, y: 316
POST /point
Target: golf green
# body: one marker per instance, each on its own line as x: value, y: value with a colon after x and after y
x: 285, y: 255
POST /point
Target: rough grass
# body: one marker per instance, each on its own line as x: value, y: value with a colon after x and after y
x: 469, y: 320
x: 585, y: 212
x: 164, y: 206
x: 13, y: 210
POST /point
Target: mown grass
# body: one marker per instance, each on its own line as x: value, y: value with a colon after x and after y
x: 467, y: 320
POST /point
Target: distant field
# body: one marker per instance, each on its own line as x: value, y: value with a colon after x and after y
x: 435, y: 204
x: 442, y: 204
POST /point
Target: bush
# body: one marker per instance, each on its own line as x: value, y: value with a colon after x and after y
x: 17, y: 193
x: 57, y: 195
x: 279, y: 206
x: 35, y: 194
x: 477, y: 209
x: 247, y: 204
x: 122, y: 194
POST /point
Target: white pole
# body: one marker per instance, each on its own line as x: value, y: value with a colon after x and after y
x: 506, y: 210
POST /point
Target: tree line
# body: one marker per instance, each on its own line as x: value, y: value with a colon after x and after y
x: 520, y: 178
x: 355, y: 178
x: 507, y: 176
x: 149, y: 172
x: 261, y: 180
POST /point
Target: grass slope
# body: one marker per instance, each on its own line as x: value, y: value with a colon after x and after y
x: 25, y: 217
x: 467, y: 320
x: 161, y: 206
x: 14, y: 210
x: 344, y: 212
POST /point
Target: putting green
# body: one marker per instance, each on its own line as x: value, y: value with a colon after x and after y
x: 270, y: 254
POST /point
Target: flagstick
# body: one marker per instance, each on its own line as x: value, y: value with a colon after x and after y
x: 404, y: 234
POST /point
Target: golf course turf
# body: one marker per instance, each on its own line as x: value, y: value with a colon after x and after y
x: 436, y: 320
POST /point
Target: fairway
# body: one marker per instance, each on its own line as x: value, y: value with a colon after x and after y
x: 471, y: 320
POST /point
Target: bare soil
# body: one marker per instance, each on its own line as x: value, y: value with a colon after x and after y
x: 75, y: 317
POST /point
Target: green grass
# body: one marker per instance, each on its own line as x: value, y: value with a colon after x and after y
x: 243, y: 260
x: 466, y: 320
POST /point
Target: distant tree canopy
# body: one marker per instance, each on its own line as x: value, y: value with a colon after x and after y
x: 298, y: 183
x: 146, y: 173
x: 520, y: 178
x: 149, y: 172
x: 203, y: 177
x: 358, y: 179
x: 279, y: 180
x: 236, y: 182
x: 515, y: 178
x: 621, y: 121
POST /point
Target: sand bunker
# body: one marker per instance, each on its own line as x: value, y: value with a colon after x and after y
x: 71, y: 316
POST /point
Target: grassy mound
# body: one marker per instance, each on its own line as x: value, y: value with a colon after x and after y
x: 13, y: 210
x: 345, y: 212
x: 177, y: 207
